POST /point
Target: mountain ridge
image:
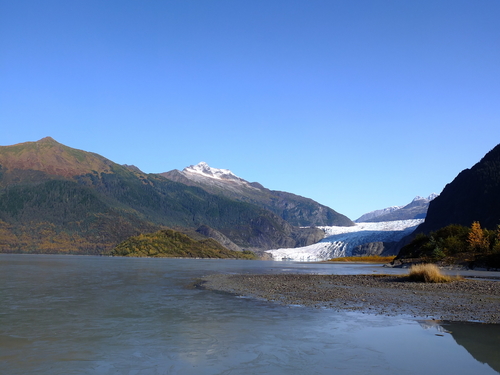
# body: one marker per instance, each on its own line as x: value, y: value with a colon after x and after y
x: 54, y: 198
x: 296, y: 210
x: 416, y: 209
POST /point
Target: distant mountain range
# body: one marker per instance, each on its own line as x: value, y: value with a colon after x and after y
x: 56, y: 199
x: 416, y: 209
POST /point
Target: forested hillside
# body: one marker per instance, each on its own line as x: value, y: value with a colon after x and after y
x: 294, y: 209
x: 57, y: 199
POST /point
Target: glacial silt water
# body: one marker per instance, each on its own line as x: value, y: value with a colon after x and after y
x: 100, y: 315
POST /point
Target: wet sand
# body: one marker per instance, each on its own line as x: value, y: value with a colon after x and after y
x: 466, y: 300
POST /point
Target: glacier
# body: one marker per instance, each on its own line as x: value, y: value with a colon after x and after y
x: 340, y: 241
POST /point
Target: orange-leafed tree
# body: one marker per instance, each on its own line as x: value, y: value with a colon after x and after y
x: 478, y: 240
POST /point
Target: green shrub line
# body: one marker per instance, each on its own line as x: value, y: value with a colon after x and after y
x: 456, y: 244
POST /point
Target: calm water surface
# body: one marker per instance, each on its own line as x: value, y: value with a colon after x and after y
x: 99, y: 315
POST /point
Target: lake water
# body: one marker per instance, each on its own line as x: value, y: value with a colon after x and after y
x: 100, y: 315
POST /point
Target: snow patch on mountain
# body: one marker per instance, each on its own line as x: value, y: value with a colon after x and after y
x: 340, y: 241
x: 224, y: 178
x: 205, y: 170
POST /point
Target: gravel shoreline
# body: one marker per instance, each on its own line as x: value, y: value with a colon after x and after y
x: 466, y: 300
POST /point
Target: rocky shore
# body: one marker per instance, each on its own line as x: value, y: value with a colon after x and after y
x: 465, y: 300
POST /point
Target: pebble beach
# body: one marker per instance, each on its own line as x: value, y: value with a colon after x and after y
x: 464, y: 300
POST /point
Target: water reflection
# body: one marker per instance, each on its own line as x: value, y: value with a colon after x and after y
x: 482, y: 341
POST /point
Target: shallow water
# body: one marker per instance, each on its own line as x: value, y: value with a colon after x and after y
x: 99, y: 315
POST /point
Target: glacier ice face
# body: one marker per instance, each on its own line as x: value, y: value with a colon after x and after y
x: 340, y: 241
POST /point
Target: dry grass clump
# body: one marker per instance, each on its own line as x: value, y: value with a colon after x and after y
x: 429, y: 273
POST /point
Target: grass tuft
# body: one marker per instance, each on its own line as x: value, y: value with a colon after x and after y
x: 429, y: 273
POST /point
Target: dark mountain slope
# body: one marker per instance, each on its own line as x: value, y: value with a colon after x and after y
x: 474, y: 195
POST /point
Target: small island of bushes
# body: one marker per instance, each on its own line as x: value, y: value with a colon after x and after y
x: 173, y: 244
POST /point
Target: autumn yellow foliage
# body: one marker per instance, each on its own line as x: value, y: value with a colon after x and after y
x: 478, y: 240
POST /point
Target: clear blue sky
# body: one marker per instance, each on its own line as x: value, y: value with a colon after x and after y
x: 357, y: 104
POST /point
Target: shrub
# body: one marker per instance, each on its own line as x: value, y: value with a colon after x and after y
x: 454, y: 244
x: 495, y: 240
x: 453, y: 230
x: 496, y: 248
x: 428, y: 273
x: 438, y: 254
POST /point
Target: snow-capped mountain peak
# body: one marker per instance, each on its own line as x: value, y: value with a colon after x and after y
x: 205, y: 170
